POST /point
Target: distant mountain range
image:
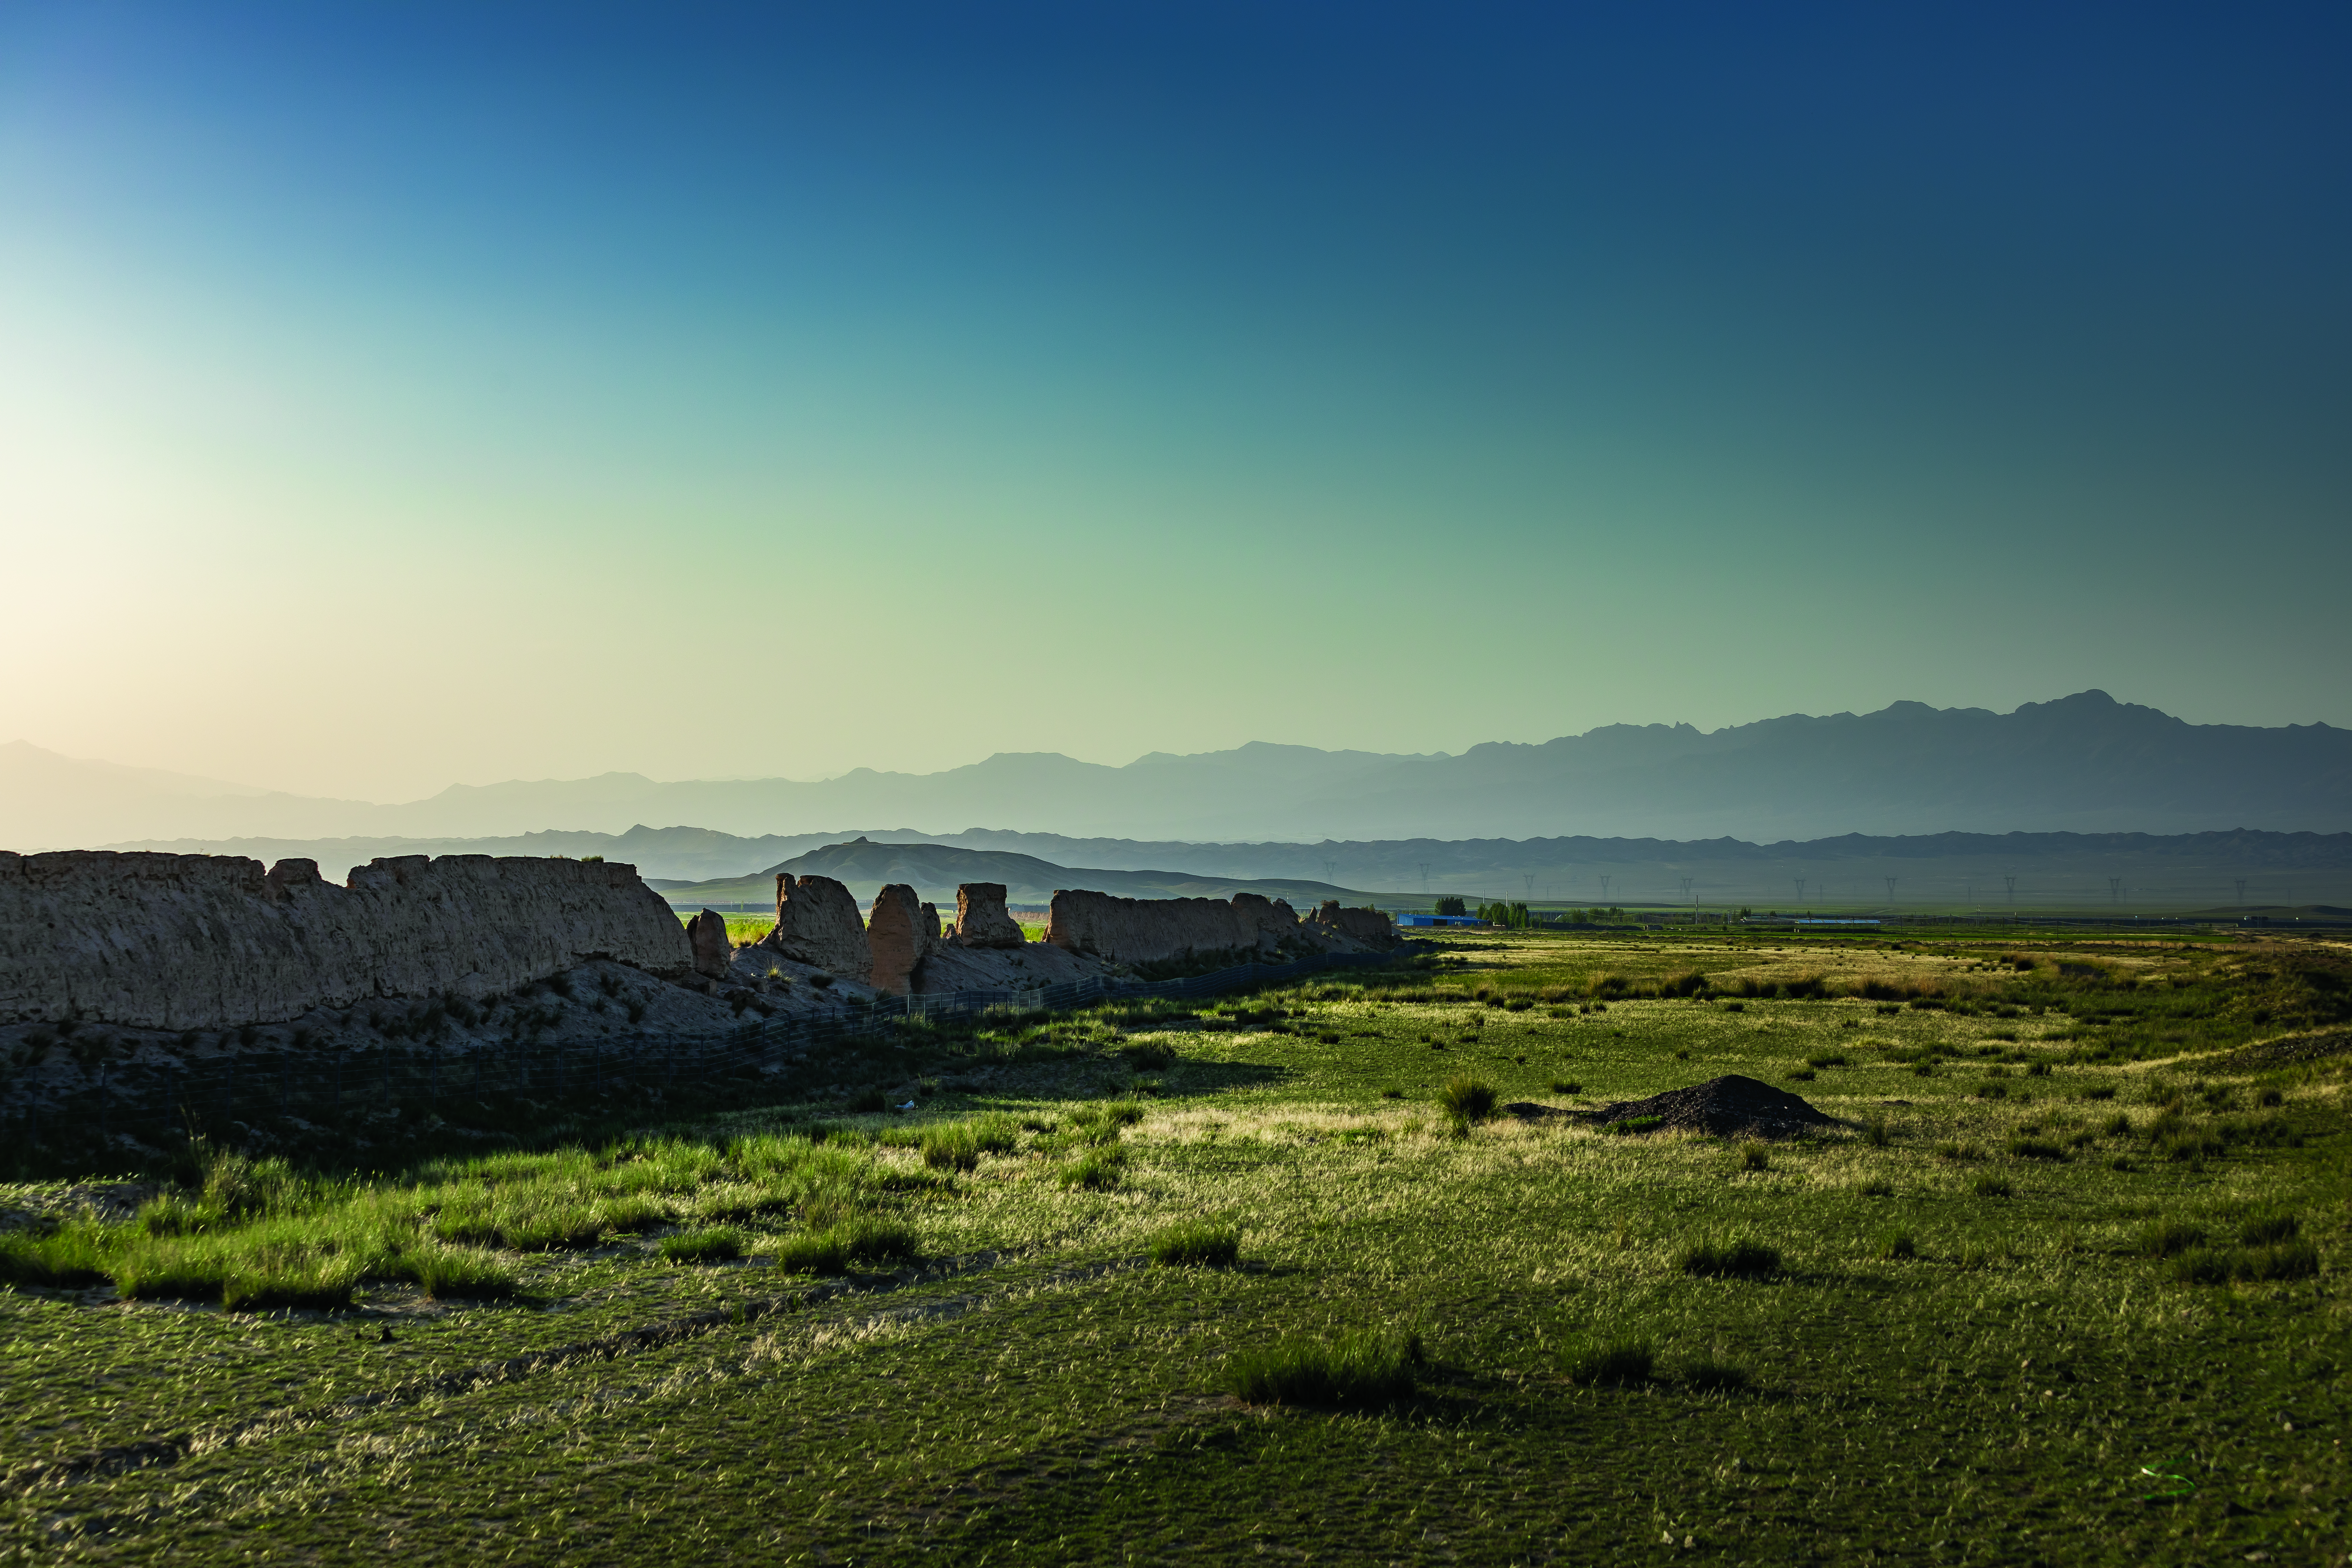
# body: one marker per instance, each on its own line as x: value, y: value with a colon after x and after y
x: 933, y: 870
x: 2084, y: 764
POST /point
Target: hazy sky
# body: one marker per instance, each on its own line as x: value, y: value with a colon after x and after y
x: 397, y: 394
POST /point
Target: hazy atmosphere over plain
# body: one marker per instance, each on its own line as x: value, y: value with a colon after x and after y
x: 396, y: 395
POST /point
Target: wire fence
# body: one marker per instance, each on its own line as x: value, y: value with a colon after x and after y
x: 320, y: 1092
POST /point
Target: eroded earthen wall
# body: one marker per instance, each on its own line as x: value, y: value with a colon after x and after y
x: 1140, y: 931
x: 817, y: 922
x: 194, y: 941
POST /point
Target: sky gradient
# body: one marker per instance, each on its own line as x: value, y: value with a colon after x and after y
x: 406, y: 395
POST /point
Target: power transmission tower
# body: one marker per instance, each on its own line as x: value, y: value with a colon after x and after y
x: 2115, y: 889
x: 1604, y: 889
x: 1330, y: 870
x: 1530, y: 878
x: 1890, y: 888
x: 2012, y: 891
x: 1801, y: 892
x: 2242, y: 892
x: 1425, y: 879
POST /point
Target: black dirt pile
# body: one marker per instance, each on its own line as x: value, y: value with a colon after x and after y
x: 1729, y: 1107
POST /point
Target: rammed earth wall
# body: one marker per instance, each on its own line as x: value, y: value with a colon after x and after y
x: 194, y: 941
x: 1137, y: 931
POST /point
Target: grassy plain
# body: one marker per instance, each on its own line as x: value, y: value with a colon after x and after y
x: 2065, y: 1285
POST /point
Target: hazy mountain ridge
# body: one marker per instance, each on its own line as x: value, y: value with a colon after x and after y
x: 2084, y: 764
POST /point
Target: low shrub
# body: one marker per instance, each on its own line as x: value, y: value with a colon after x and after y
x: 1622, y: 1362
x: 1730, y: 1260
x: 1196, y: 1244
x: 1362, y: 1370
x: 714, y: 1245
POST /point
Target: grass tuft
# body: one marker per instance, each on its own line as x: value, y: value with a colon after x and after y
x: 1361, y: 1371
x: 714, y: 1245
x: 1622, y: 1363
x: 1730, y: 1260
x: 1467, y: 1099
x: 1196, y: 1244
x: 1099, y: 1171
x: 1714, y: 1377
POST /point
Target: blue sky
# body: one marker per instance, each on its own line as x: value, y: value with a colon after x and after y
x: 397, y: 394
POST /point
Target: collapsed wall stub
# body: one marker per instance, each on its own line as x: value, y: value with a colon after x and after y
x: 981, y: 919
x: 1138, y: 931
x: 713, y: 953
x: 896, y: 938
x: 1368, y: 926
x: 192, y: 941
x: 817, y: 923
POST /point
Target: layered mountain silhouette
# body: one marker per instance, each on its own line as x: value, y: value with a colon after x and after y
x: 2084, y: 763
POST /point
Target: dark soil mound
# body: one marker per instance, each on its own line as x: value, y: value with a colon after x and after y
x: 1730, y: 1106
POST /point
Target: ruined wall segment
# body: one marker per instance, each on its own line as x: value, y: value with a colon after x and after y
x: 981, y: 919
x: 895, y: 938
x: 713, y: 954
x: 192, y: 941
x: 816, y: 922
x: 1370, y: 927
x: 1140, y: 931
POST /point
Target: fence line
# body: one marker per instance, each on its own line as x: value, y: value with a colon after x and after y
x: 165, y: 1097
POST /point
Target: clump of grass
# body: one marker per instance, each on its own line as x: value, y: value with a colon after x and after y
x: 1098, y: 1171
x: 1831, y: 1060
x: 1730, y: 1260
x: 2269, y: 1230
x: 1467, y: 1099
x: 1196, y: 1244
x: 1876, y: 1187
x: 465, y: 1273
x: 714, y: 1245
x: 66, y: 1258
x: 1958, y: 1153
x: 2267, y: 1265
x: 1632, y: 1124
x: 1874, y: 1133
x: 2168, y: 1238
x: 1709, y: 1377
x: 1895, y: 1245
x: 863, y: 1239
x: 1754, y: 1157
x: 1566, y: 1085
x: 1391, y: 1092
x: 1988, y: 1185
x: 1622, y: 1362
x: 2035, y: 1149
x: 1361, y: 1371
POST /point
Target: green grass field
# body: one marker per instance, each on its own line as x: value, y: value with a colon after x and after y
x: 2064, y: 1285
